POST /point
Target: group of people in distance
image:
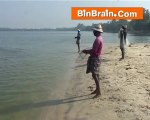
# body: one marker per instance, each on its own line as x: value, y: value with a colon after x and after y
x: 93, y: 62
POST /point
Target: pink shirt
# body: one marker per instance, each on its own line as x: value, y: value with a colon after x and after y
x: 97, y: 47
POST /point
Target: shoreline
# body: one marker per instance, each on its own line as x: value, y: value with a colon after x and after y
x: 124, y: 84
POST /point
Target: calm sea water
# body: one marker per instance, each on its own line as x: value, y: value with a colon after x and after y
x: 33, y: 63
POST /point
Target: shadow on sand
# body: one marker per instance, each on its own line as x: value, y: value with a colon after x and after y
x: 23, y: 107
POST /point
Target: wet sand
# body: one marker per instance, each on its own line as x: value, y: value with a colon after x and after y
x: 125, y: 87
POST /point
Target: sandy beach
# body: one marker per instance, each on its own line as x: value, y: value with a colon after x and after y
x: 125, y: 87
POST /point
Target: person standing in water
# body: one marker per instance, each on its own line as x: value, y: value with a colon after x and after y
x: 123, y: 40
x: 78, y: 40
x: 93, y: 62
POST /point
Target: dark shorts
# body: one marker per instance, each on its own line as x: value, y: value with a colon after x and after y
x: 93, y: 65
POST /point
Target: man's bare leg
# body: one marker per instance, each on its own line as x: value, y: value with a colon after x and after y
x: 97, y: 91
x: 78, y: 47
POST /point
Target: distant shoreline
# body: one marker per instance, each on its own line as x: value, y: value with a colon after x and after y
x: 21, y: 29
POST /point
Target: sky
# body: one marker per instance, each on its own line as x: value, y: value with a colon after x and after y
x: 53, y: 14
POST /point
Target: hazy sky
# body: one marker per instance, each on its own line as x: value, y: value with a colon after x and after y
x: 52, y: 14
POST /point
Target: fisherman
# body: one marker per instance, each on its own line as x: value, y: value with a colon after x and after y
x: 93, y: 62
x: 123, y: 39
x: 78, y: 40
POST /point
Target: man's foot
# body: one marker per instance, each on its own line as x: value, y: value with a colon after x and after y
x: 97, y: 95
x: 94, y: 92
x: 121, y: 59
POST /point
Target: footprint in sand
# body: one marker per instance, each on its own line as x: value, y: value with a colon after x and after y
x: 91, y: 88
x: 128, y: 68
x: 145, y: 106
x: 127, y: 65
x: 129, y: 109
x: 106, y: 81
x: 140, y: 72
x: 138, y: 118
x: 148, y: 90
x: 122, y: 110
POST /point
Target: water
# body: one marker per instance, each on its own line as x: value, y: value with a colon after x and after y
x: 34, y: 63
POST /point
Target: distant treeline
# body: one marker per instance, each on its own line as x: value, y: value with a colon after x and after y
x: 134, y: 26
x: 25, y: 29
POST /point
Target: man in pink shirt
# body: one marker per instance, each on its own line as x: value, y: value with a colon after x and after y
x: 93, y: 62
